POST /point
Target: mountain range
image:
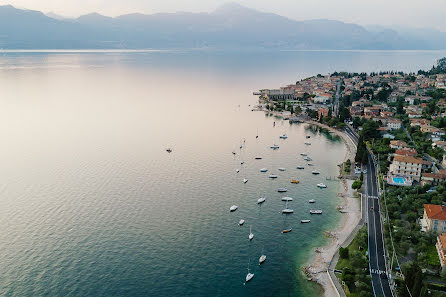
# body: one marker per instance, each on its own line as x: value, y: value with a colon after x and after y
x: 230, y: 26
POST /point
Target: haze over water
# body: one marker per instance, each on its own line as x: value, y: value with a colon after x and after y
x: 92, y: 205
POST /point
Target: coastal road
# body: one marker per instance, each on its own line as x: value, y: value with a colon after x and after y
x: 377, y: 257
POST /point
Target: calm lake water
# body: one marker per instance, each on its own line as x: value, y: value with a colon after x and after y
x: 92, y: 205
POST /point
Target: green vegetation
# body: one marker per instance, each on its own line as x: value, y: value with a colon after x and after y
x: 357, y: 184
x: 354, y: 265
x: 347, y: 166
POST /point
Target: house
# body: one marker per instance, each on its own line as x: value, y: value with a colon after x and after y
x: 441, y: 249
x: 432, y: 178
x: 322, y: 112
x: 410, y: 99
x: 407, y: 152
x: 440, y: 144
x: 394, y: 124
x: 407, y: 166
x: 419, y: 122
x: 435, y: 217
x: 397, y: 144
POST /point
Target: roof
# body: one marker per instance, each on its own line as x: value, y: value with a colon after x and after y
x: 398, y: 142
x: 434, y: 175
x: 406, y: 152
x: 409, y: 159
x: 442, y: 239
x: 436, y: 212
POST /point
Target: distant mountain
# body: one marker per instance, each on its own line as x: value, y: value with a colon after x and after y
x: 229, y: 26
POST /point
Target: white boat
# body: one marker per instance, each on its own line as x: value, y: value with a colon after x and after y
x: 300, y: 167
x: 274, y: 146
x: 315, y: 172
x: 287, y: 199
x: 241, y: 222
x: 261, y: 200
x: 273, y: 176
x: 283, y: 136
x: 321, y: 185
x: 311, y: 201
x: 304, y: 221
x: 308, y: 158
x: 242, y: 162
x: 282, y: 169
x: 251, y: 235
x: 249, y: 276
x: 233, y: 208
x: 263, y: 170
x: 287, y: 210
x: 307, y: 143
x: 303, y: 154
x: 262, y: 258
x: 237, y: 170
x: 245, y: 180
x: 281, y: 190
x: 316, y: 211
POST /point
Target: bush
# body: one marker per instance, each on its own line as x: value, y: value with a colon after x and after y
x: 343, y: 253
x: 357, y: 184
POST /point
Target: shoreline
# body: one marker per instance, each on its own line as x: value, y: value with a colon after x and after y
x: 316, y: 269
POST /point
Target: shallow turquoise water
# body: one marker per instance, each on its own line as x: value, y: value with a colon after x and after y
x: 92, y: 205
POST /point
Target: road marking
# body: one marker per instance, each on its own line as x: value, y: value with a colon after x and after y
x: 377, y: 271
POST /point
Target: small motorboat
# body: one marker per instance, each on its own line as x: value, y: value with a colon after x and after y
x: 307, y: 143
x: 262, y: 259
x: 281, y: 169
x: 287, y: 199
x: 237, y: 170
x: 303, y: 154
x: 233, y: 208
x: 273, y: 176
x: 258, y: 158
x: 251, y: 235
x: 261, y: 200
x: 233, y: 152
x: 316, y: 211
x: 281, y: 190
x: 311, y: 201
x: 321, y: 185
x: 245, y: 180
x: 300, y: 167
x: 283, y: 136
x: 242, y: 162
x: 263, y: 170
x: 304, y: 221
x: 241, y: 222
x: 315, y: 172
x: 294, y: 181
x: 310, y: 164
x: 308, y: 158
x: 286, y: 231
x: 169, y: 150
x: 308, y: 136
x: 274, y: 146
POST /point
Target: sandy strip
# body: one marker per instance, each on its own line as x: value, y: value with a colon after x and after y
x: 351, y: 211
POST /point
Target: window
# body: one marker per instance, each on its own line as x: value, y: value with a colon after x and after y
x: 435, y: 227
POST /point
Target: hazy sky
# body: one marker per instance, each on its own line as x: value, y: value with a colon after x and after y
x: 413, y: 13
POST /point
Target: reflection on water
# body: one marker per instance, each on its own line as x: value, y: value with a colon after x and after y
x: 92, y: 204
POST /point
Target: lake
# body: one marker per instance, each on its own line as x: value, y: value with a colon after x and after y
x: 91, y: 203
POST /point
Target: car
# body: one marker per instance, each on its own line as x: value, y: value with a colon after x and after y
x: 371, y: 208
x: 383, y: 275
x: 365, y: 171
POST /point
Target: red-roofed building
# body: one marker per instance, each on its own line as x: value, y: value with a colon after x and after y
x: 441, y: 249
x: 406, y: 152
x: 432, y: 178
x: 435, y: 217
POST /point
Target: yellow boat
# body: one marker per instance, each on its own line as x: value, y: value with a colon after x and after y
x: 294, y: 181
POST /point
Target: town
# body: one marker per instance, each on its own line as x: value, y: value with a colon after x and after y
x: 398, y: 122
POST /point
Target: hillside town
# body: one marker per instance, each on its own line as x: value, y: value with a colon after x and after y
x: 400, y: 120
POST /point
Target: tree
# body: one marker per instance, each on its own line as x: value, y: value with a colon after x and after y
x: 343, y: 253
